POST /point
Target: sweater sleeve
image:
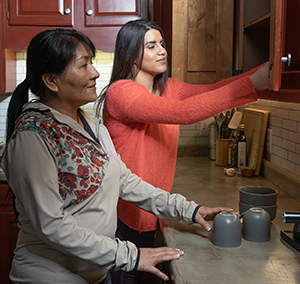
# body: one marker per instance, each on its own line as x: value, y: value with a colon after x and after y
x: 189, y: 90
x: 129, y: 101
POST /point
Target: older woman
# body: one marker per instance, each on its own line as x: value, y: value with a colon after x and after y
x: 67, y: 177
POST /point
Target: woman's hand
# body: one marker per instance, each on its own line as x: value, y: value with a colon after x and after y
x: 260, y: 79
x: 206, y: 214
x: 151, y: 256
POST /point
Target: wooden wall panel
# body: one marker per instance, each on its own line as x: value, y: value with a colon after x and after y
x: 202, y: 40
x: 202, y: 37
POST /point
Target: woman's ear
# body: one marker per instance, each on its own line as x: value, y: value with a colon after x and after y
x: 50, y: 82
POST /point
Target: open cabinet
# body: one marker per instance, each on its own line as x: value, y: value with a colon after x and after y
x: 285, y: 25
x: 270, y: 32
x: 256, y: 33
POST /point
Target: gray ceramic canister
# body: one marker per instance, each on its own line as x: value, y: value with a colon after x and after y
x: 256, y: 225
x: 227, y: 230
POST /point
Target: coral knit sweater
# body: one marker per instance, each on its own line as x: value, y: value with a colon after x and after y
x: 145, y: 128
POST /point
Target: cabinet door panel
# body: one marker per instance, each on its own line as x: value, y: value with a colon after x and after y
x: 113, y: 13
x: 290, y: 77
x: 202, y: 36
x: 287, y: 40
x: 41, y: 12
x: 202, y: 40
x: 8, y: 237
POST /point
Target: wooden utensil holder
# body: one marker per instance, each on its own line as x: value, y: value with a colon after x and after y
x: 222, y: 146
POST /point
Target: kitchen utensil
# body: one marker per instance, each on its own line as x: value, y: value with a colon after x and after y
x: 217, y: 125
x: 222, y: 151
x: 227, y: 230
x: 212, y: 141
x: 220, y: 118
x: 225, y: 131
x: 271, y: 209
x: 258, y: 195
x: 256, y: 225
x: 235, y: 120
x: 233, y: 111
x: 234, y: 123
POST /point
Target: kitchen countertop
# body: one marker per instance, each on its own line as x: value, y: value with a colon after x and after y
x: 274, y: 262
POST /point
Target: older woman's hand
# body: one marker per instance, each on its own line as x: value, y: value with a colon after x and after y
x: 151, y: 256
x: 206, y: 214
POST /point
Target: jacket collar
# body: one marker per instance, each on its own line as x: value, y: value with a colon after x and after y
x: 64, y: 119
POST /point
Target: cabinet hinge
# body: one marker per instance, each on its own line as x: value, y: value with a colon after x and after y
x: 7, y: 15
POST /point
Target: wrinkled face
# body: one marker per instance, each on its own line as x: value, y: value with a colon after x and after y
x: 155, y: 55
x: 77, y: 85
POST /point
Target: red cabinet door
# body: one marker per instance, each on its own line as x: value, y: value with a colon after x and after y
x: 8, y: 237
x: 286, y: 67
x: 41, y: 12
x: 8, y: 232
x: 114, y: 13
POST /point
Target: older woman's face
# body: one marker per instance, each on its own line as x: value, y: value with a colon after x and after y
x: 155, y: 55
x: 77, y: 85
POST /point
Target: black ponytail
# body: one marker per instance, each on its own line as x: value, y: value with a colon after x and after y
x: 18, y: 99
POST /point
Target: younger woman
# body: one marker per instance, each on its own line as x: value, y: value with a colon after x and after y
x: 143, y: 109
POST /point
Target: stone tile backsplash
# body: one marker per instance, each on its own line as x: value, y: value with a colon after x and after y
x: 284, y: 123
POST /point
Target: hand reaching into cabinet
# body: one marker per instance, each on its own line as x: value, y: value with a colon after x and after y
x: 260, y: 78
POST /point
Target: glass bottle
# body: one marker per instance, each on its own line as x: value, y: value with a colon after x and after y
x: 241, y: 148
x: 232, y: 153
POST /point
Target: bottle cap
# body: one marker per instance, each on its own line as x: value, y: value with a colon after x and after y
x: 242, y: 126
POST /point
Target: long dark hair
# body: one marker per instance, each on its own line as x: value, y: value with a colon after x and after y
x: 129, y: 50
x: 48, y: 52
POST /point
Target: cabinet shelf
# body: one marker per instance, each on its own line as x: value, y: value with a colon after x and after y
x: 259, y: 23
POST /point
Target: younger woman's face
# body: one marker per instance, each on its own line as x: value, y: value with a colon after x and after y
x: 155, y: 54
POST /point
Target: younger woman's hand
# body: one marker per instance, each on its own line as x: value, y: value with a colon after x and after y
x: 260, y: 79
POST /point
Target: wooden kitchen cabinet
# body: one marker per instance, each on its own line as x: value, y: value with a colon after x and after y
x: 114, y: 13
x: 40, y: 13
x: 63, y: 13
x: 21, y: 20
x: 255, y: 20
x: 286, y: 34
x: 209, y: 45
x: 271, y: 33
x: 202, y: 50
x: 8, y: 232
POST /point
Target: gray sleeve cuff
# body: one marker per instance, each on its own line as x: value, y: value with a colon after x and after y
x: 194, y: 214
x: 137, y: 259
